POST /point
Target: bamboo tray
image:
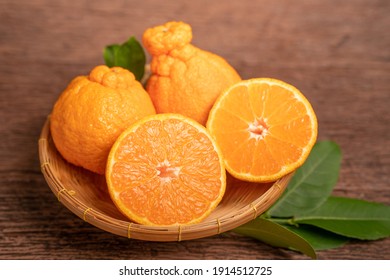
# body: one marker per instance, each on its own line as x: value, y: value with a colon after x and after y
x: 85, y: 194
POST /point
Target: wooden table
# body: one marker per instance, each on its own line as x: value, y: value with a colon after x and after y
x: 336, y: 52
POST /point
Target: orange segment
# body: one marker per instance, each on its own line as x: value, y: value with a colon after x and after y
x: 165, y: 170
x: 265, y: 128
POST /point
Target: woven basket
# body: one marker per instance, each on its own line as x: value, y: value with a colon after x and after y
x: 85, y: 194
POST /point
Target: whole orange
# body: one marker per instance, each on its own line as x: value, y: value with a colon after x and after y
x: 93, y: 111
x: 184, y: 79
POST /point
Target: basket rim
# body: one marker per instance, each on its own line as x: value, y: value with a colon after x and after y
x: 133, y: 230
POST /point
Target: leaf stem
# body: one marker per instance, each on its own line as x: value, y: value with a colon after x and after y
x: 285, y: 221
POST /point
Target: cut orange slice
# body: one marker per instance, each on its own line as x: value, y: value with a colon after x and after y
x: 265, y: 128
x: 166, y: 170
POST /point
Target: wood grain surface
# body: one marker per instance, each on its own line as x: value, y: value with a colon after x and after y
x: 336, y: 52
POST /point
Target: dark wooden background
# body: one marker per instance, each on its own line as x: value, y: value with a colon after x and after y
x: 336, y: 52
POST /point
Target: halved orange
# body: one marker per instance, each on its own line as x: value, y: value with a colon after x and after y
x: 166, y: 170
x: 265, y: 128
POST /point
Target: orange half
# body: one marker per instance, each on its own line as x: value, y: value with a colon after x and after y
x: 166, y: 170
x: 265, y: 128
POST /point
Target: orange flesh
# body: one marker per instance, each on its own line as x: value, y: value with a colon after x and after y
x: 263, y: 129
x: 166, y: 172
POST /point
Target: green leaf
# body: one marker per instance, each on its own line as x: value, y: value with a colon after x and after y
x: 350, y: 217
x: 318, y: 238
x: 129, y: 55
x: 109, y: 54
x: 312, y: 183
x: 276, y: 235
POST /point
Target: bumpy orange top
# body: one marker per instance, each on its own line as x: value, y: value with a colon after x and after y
x: 165, y: 38
x: 115, y: 78
x: 185, y: 79
x: 91, y: 113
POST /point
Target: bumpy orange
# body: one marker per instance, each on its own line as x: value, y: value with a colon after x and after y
x: 93, y: 111
x: 185, y: 79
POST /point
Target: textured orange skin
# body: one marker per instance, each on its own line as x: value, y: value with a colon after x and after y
x: 185, y: 79
x: 92, y: 112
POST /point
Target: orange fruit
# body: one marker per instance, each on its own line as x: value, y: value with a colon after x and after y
x: 91, y: 113
x: 165, y: 170
x: 184, y: 79
x: 265, y: 128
